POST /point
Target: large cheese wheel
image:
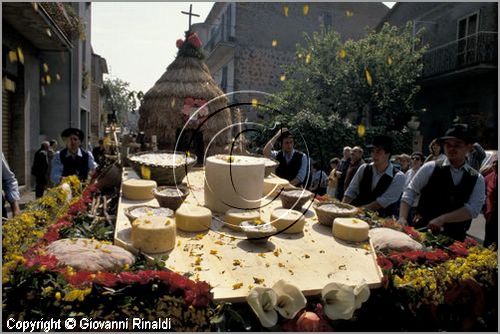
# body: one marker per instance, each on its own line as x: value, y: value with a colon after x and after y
x: 283, y: 218
x: 235, y: 216
x: 192, y: 218
x: 138, y: 190
x: 233, y: 181
x: 153, y: 234
x: 273, y: 185
x: 350, y: 229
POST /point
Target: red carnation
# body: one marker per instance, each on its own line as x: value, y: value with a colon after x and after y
x: 178, y: 282
x: 384, y: 263
x: 459, y: 249
x: 79, y: 278
x: 164, y: 276
x: 194, y: 40
x: 436, y: 256
x: 128, y: 277
x: 469, y: 242
x: 179, y: 43
x: 106, y: 279
x: 48, y: 261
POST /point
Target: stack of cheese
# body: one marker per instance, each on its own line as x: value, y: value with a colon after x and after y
x: 288, y: 220
x: 350, y: 229
x: 153, y: 234
x: 138, y: 190
x: 192, y: 218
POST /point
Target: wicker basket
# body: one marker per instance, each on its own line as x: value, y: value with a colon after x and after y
x: 326, y: 217
x: 131, y: 217
x: 164, y: 176
x: 110, y: 177
x: 171, y: 201
x: 295, y: 199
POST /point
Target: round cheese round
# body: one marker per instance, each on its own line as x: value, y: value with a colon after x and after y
x: 153, y: 234
x: 138, y: 190
x: 192, y: 218
x: 234, y: 217
x: 350, y: 229
x: 273, y: 185
x: 287, y: 220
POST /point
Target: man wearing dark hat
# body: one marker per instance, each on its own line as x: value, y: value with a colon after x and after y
x: 293, y: 164
x: 378, y: 185
x: 451, y: 192
x: 72, y: 160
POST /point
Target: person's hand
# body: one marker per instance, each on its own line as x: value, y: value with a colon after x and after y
x: 280, y: 132
x: 403, y: 221
x: 436, y: 225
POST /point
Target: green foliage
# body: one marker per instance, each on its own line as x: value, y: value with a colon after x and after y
x: 333, y: 86
x: 123, y: 101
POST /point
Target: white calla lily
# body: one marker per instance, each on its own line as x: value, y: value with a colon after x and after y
x: 290, y: 299
x: 263, y: 303
x: 361, y: 294
x: 339, y: 301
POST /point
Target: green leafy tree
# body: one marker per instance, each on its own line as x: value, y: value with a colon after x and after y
x: 122, y: 102
x: 334, y: 86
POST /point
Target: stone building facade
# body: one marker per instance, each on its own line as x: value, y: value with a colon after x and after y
x: 248, y: 43
x: 460, y: 75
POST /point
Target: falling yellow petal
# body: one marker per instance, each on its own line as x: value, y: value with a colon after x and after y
x: 48, y: 79
x: 342, y: 53
x: 368, y: 77
x: 308, y: 58
x: 389, y: 60
x: 20, y: 55
x: 35, y: 6
x: 254, y: 102
x: 146, y: 172
x: 283, y: 77
x: 12, y: 56
x: 45, y: 67
x: 43, y: 80
x: 285, y: 9
x: 305, y: 9
x: 9, y: 85
x: 58, y: 77
x: 361, y: 130
x: 48, y: 32
x: 274, y: 43
x: 348, y: 13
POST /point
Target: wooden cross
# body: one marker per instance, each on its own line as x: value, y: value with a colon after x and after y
x: 190, y: 13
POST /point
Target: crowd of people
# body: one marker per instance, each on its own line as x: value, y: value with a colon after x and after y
x: 442, y: 192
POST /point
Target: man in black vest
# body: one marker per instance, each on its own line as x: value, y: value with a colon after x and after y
x: 73, y: 160
x: 451, y: 191
x: 378, y: 185
x: 40, y: 169
x: 293, y: 165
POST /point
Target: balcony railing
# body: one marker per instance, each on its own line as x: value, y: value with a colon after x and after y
x: 479, y: 48
x: 218, y: 36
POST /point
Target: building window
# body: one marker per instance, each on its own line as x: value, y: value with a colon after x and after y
x: 223, y: 82
x: 467, y: 29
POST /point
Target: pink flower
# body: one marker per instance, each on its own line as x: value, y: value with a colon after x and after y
x: 308, y: 322
x: 179, y: 43
x: 194, y: 40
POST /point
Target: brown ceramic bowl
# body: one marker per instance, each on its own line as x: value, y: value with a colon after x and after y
x: 171, y: 196
x: 295, y: 199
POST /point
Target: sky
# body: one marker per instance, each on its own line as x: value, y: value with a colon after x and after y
x: 137, y: 39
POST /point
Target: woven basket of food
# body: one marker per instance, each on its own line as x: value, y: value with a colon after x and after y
x: 329, y: 210
x: 167, y: 168
x: 136, y: 211
x: 295, y: 199
x: 171, y: 196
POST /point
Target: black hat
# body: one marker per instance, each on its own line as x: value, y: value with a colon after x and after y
x: 384, y: 142
x: 458, y: 131
x: 72, y: 131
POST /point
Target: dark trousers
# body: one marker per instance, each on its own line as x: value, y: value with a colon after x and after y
x: 41, y: 185
x: 491, y: 230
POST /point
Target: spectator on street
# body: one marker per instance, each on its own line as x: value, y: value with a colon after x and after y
x: 342, y: 171
x: 377, y: 186
x: 356, y: 161
x: 319, y: 179
x: 404, y: 162
x: 417, y: 160
x: 451, y: 191
x: 98, y: 152
x: 331, y: 189
x: 10, y: 190
x: 476, y: 156
x: 491, y: 206
x: 293, y: 165
x: 50, y: 155
x: 40, y: 169
x: 435, y: 149
x: 72, y: 160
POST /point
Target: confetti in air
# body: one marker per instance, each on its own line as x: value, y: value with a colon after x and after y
x: 20, y: 55
x: 48, y: 79
x: 274, y: 43
x: 58, y: 77
x: 49, y: 33
x: 342, y: 53
x: 285, y: 10
x: 305, y: 9
x: 368, y: 77
x: 254, y: 102
x: 389, y: 60
x: 308, y: 58
x: 361, y: 130
x: 349, y: 13
x: 12, y: 56
x: 45, y: 67
x: 282, y: 77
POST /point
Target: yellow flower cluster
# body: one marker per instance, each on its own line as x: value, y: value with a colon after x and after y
x: 431, y: 283
x: 77, y: 294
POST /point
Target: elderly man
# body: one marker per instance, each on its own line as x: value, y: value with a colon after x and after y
x: 40, y: 169
x: 451, y: 191
x: 293, y: 165
x: 378, y: 185
x: 356, y: 162
x: 72, y: 160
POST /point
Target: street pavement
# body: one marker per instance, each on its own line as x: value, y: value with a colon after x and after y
x: 476, y: 230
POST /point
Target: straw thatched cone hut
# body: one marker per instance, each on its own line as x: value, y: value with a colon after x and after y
x: 185, y: 87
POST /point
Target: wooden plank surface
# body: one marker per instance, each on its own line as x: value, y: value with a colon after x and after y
x: 223, y: 258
